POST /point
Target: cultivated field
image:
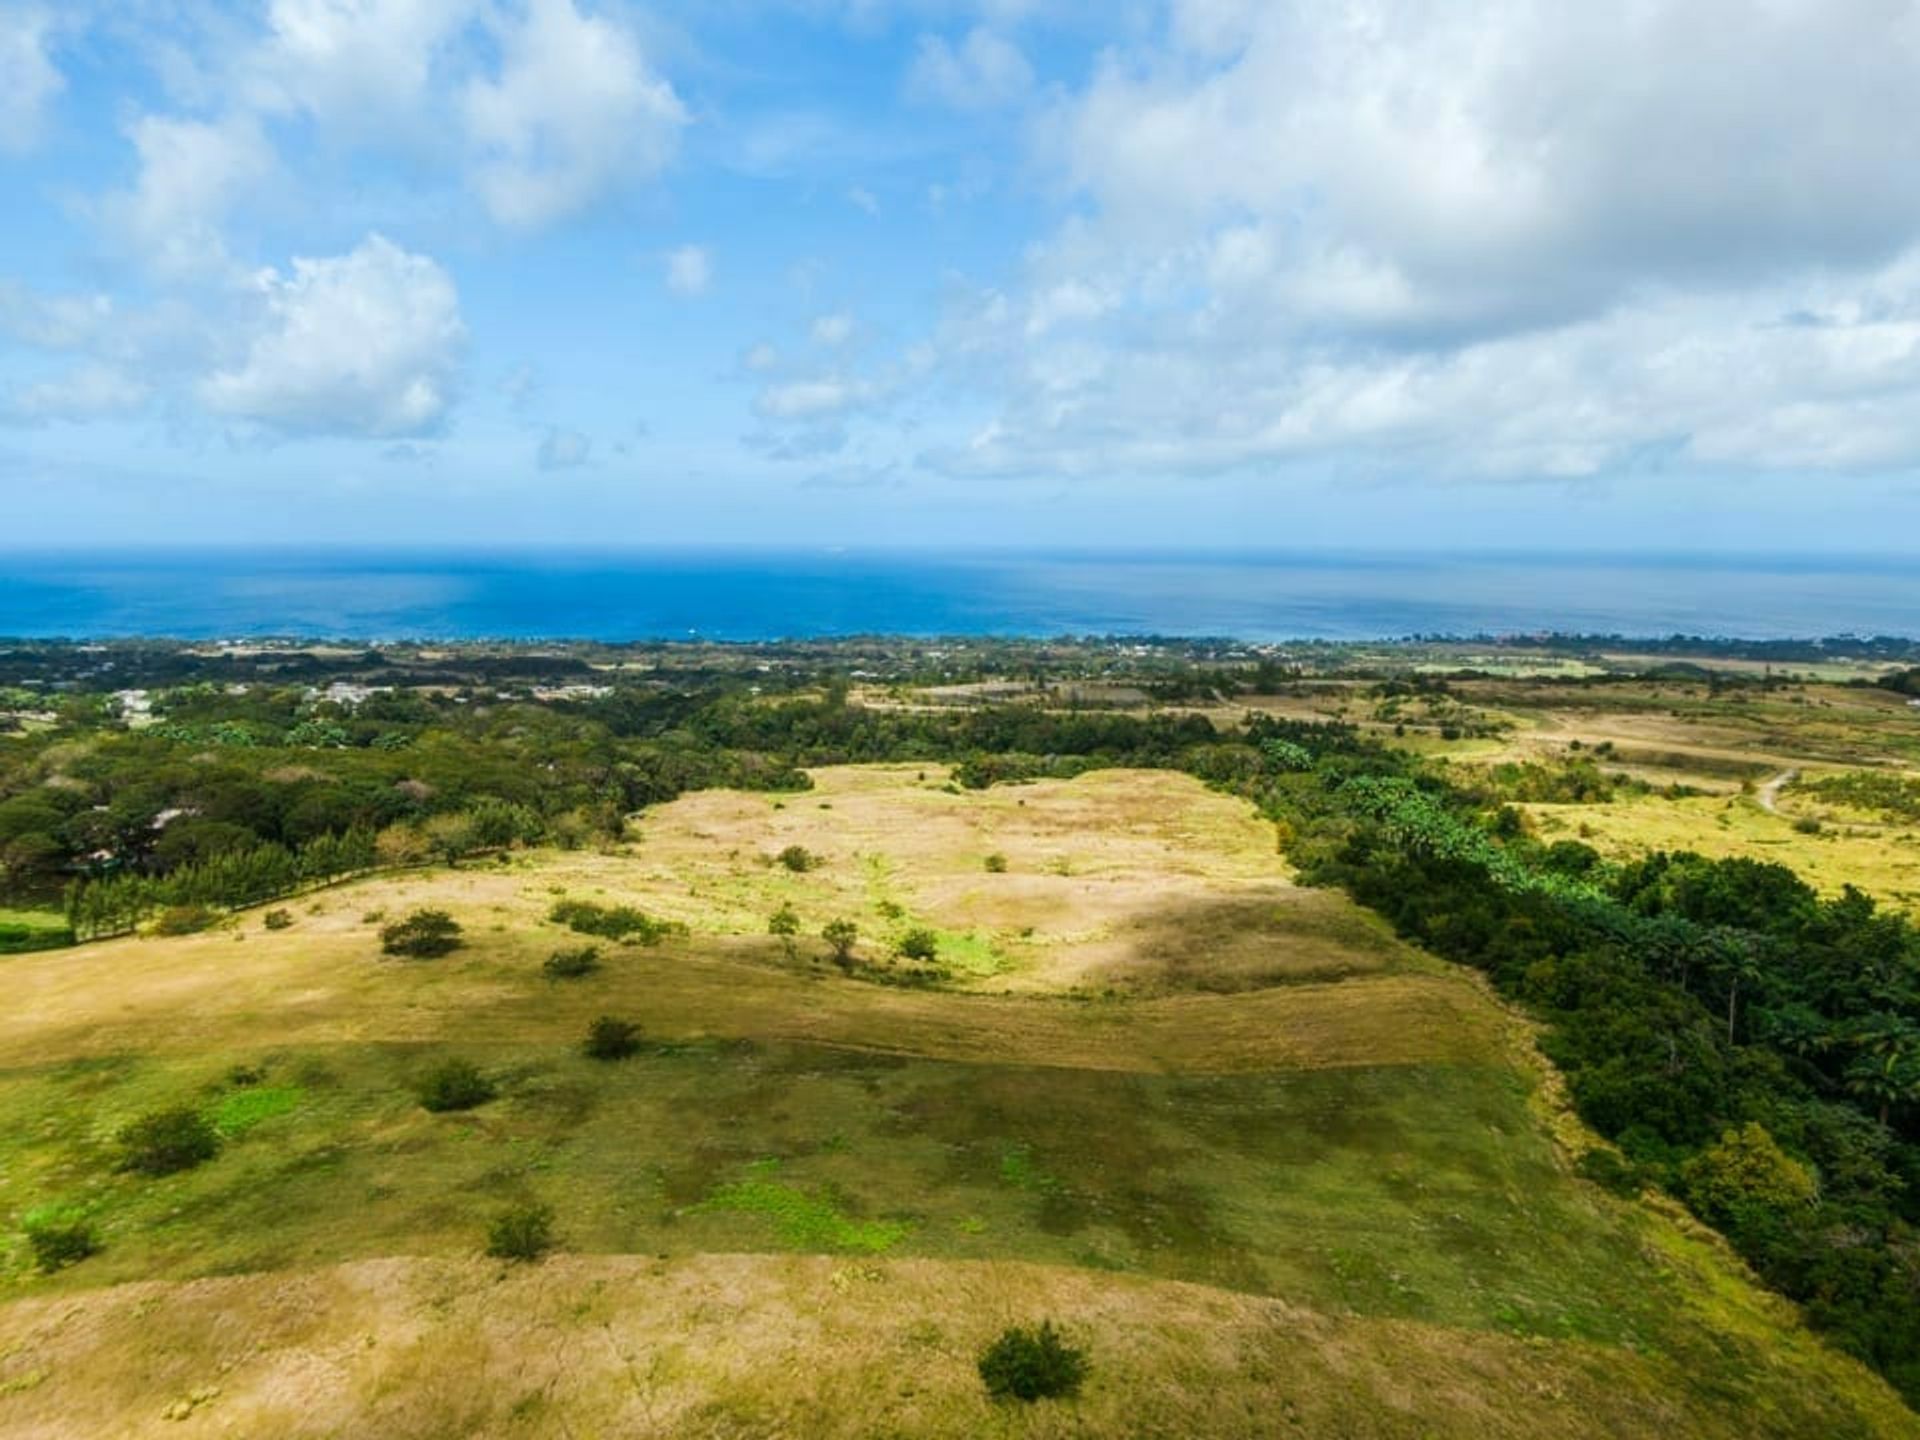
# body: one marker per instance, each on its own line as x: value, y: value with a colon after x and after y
x: 1277, y: 1172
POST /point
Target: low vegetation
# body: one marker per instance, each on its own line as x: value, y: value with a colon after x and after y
x: 523, y: 1233
x: 1032, y: 1364
x: 454, y: 1085
x: 164, y: 1142
x: 423, y: 935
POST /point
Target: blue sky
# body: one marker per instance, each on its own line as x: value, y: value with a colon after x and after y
x: 1192, y: 273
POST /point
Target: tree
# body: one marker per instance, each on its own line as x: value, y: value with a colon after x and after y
x: 423, y: 935
x: 841, y: 936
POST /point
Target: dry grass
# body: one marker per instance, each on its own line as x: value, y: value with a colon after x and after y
x: 731, y: 1345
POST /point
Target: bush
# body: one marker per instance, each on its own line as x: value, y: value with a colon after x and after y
x: 799, y: 859
x: 1611, y: 1172
x: 423, y: 935
x: 277, y: 919
x: 918, y: 944
x: 784, y: 922
x: 165, y: 1141
x: 58, y: 1244
x: 454, y: 1085
x: 523, y: 1233
x: 611, y: 922
x: 572, y: 964
x: 184, y: 920
x: 996, y: 864
x: 1032, y: 1364
x: 611, y: 1039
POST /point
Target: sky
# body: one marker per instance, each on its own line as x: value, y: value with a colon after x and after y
x: 1192, y: 274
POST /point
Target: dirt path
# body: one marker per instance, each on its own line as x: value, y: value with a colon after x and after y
x: 1769, y: 793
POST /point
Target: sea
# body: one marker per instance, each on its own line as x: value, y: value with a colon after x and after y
x: 742, y: 596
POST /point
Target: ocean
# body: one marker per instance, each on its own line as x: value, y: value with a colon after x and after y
x: 741, y: 596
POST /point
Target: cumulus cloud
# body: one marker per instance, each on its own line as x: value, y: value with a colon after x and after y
x: 573, y: 112
x: 983, y: 72
x: 689, y: 271
x: 29, y: 80
x: 367, y: 343
x: 1452, y: 240
x: 191, y: 173
x: 355, y: 63
x: 563, y: 449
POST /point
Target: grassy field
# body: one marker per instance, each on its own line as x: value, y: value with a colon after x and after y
x: 1278, y: 1172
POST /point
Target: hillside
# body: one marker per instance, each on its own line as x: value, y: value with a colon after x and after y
x: 1278, y: 1172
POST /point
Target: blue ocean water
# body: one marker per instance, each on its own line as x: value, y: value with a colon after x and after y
x: 741, y: 596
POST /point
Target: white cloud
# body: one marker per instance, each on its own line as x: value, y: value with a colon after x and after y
x: 689, y: 270
x: 356, y: 63
x: 366, y: 343
x: 573, y: 113
x: 1514, y: 239
x: 191, y: 174
x: 91, y: 392
x: 563, y: 449
x: 815, y: 399
x: 29, y: 80
x: 832, y: 331
x: 985, y: 71
x: 760, y: 358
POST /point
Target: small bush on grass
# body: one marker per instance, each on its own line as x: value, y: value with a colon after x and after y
x: 163, y: 1142
x: 609, y: 1038
x: 784, y: 922
x: 184, y: 920
x: 523, y: 1233
x: 60, y: 1243
x: 454, y: 1085
x: 572, y: 964
x: 799, y: 859
x: 423, y: 935
x: 996, y: 864
x: 612, y: 922
x: 918, y: 944
x: 1032, y: 1364
x: 277, y: 919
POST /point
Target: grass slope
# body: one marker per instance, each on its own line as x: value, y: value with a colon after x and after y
x: 1278, y: 1172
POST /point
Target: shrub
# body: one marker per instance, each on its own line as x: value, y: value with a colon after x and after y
x: 918, y: 944
x: 162, y: 1142
x: 611, y: 922
x: 1807, y: 825
x: 572, y: 964
x: 784, y: 922
x: 454, y: 1085
x: 277, y: 919
x: 523, y: 1233
x: 184, y: 920
x: 423, y: 935
x: 1032, y: 1364
x: 1612, y: 1173
x: 58, y: 1244
x: 996, y: 864
x: 609, y: 1038
x: 840, y: 936
x: 799, y: 859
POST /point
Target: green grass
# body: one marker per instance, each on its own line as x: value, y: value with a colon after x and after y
x: 805, y: 1221
x: 244, y: 1109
